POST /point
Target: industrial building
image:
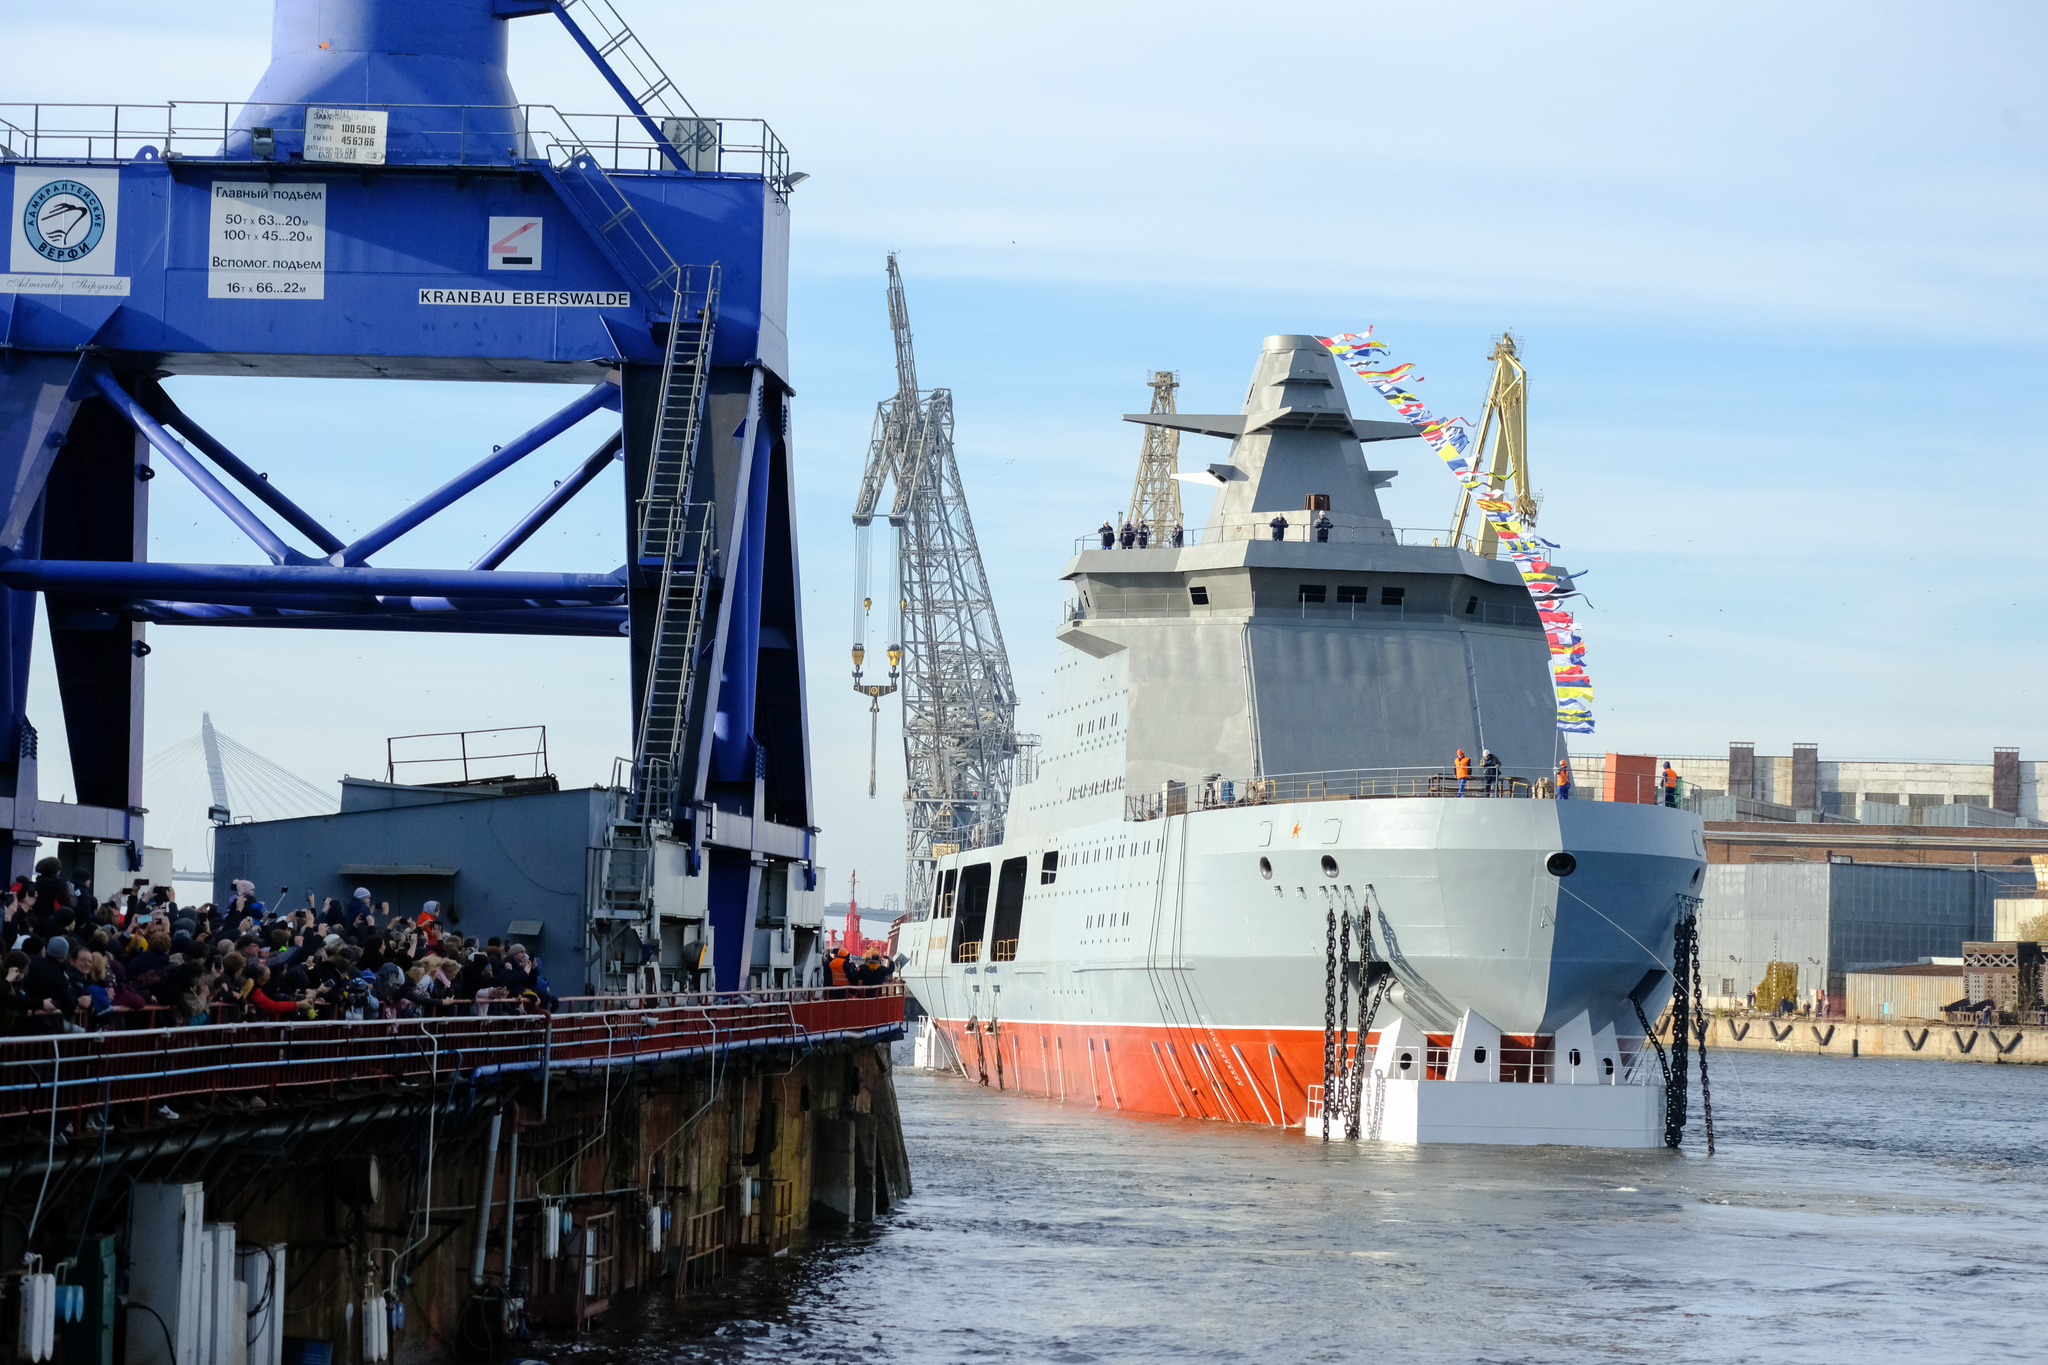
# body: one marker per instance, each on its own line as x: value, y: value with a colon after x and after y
x: 1848, y: 868
x: 1869, y: 791
x: 1828, y: 919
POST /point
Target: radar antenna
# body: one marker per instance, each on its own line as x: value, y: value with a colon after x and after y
x: 1155, y: 499
x: 1503, y: 447
x: 959, y: 704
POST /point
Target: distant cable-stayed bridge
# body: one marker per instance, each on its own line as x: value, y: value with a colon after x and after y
x: 210, y: 779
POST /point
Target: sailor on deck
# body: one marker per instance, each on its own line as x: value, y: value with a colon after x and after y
x: 1670, y: 786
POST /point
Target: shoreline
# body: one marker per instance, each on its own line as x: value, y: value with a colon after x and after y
x: 1921, y: 1040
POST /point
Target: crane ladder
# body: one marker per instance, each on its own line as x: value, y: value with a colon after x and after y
x: 677, y: 537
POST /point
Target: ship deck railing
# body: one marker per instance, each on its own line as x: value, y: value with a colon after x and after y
x: 324, y: 1058
x: 464, y: 135
x: 1300, y: 530
x: 1215, y: 792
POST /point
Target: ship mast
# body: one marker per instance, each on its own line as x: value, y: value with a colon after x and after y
x: 1155, y: 499
x: 959, y: 703
x: 1503, y: 448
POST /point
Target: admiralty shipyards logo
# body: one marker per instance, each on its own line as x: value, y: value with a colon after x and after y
x: 64, y: 221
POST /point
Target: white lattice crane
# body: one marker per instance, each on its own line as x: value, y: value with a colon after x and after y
x: 1155, y: 498
x: 959, y: 704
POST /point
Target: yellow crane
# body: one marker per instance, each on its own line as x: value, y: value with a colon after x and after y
x: 1503, y: 449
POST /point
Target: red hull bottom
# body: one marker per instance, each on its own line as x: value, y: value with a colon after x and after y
x: 1238, y: 1075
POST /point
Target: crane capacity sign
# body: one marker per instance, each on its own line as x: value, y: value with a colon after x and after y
x: 351, y: 135
x: 267, y: 241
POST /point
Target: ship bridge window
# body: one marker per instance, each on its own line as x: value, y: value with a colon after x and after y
x: 1199, y: 595
x: 944, y: 908
x: 1472, y: 604
x: 1391, y: 597
x: 1312, y: 592
x: 1353, y: 592
x: 1049, y: 868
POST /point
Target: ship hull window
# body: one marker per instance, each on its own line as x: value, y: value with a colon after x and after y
x: 1198, y: 595
x: 1312, y: 592
x: 1392, y: 597
x: 1049, y: 868
x: 1009, y: 909
x: 972, y: 913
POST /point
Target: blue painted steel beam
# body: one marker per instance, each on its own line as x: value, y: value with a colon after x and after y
x: 598, y: 622
x: 242, y: 474
x: 198, y: 581
x: 604, y: 395
x: 604, y: 68
x: 554, y: 502
x: 216, y: 492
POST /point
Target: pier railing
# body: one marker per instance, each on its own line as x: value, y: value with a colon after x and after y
x: 323, y: 1058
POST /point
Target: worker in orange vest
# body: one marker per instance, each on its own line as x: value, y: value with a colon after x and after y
x: 1464, y: 771
x: 1564, y: 780
x: 835, y: 968
x: 1670, y: 786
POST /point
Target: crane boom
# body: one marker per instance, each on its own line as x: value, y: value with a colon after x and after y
x: 959, y: 700
x: 1503, y: 447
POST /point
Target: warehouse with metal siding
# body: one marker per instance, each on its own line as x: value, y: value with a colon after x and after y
x: 1828, y: 919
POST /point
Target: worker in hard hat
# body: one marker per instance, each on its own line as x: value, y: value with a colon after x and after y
x: 1464, y: 771
x: 1670, y: 785
x: 1564, y: 780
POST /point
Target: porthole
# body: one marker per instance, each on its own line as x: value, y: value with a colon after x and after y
x: 1479, y: 1055
x: 1329, y: 867
x: 1266, y: 868
x: 1561, y: 865
x: 1407, y: 1060
x: 1575, y: 1056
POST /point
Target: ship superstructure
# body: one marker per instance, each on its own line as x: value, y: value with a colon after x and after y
x: 1253, y: 738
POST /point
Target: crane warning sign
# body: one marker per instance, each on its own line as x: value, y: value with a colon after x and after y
x: 514, y: 244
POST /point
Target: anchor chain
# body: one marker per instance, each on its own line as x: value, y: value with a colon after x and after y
x: 1684, y: 949
x: 1689, y: 912
x: 1367, y: 1012
x: 1329, y: 1017
x: 1344, y: 1010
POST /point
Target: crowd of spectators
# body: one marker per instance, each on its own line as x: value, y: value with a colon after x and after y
x: 138, y: 958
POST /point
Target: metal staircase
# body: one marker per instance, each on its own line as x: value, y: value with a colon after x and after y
x: 614, y: 39
x: 687, y: 139
x: 602, y: 208
x: 677, y: 537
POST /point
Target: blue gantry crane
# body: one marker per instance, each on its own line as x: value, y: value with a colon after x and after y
x: 383, y: 205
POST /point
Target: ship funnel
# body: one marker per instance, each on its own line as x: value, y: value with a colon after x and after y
x: 437, y: 67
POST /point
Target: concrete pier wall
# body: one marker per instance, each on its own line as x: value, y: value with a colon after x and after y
x: 1924, y: 1040
x: 742, y: 1153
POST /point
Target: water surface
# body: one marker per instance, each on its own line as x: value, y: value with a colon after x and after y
x: 1864, y: 1210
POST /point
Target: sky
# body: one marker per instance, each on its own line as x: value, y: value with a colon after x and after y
x: 1778, y: 273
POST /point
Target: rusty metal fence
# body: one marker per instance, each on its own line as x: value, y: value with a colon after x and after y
x: 268, y: 1061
